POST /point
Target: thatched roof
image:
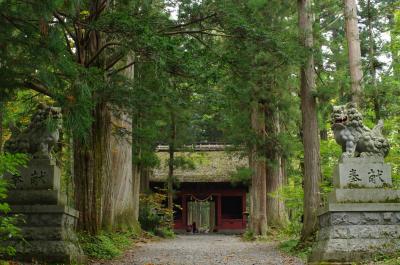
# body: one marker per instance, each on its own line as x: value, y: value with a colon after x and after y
x: 209, y: 166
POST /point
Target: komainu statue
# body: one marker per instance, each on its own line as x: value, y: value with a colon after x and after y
x: 356, y: 139
x: 41, y: 135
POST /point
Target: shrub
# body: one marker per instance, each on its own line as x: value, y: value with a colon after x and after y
x: 8, y: 229
x: 165, y: 232
x: 248, y: 235
x: 154, y: 217
x: 294, y: 247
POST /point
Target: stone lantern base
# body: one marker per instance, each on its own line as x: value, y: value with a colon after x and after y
x: 362, y: 217
x: 47, y: 225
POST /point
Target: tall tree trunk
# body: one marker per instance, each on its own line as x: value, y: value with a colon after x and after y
x: 258, y: 222
x: 136, y: 179
x: 136, y: 149
x: 123, y: 184
x: 171, y: 151
x: 137, y: 165
x: 309, y: 124
x: 102, y: 161
x: 353, y: 41
x: 394, y: 37
x: 144, y: 179
x: 92, y: 159
x: 92, y: 164
x: 276, y: 212
x: 372, y: 62
x: 337, y: 55
x: 103, y: 174
x: 1, y: 126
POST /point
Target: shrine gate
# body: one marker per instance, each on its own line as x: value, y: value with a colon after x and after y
x: 205, y: 195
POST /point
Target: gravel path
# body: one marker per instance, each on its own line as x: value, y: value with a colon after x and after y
x: 205, y: 250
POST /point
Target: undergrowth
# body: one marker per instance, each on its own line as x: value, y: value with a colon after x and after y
x: 154, y: 217
x: 106, y: 245
x: 293, y: 247
x: 385, y: 260
x: 288, y: 242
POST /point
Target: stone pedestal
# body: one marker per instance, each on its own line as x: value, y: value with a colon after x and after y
x: 48, y: 225
x: 362, y: 216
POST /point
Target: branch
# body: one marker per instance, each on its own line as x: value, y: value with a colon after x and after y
x: 200, y: 40
x: 67, y: 44
x: 202, y: 31
x: 319, y: 76
x: 98, y: 10
x: 100, y: 50
x: 193, y: 21
x: 37, y: 87
x: 62, y: 22
x: 10, y: 20
x: 122, y: 68
x: 114, y: 60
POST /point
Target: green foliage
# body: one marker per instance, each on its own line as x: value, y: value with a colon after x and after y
x: 330, y: 152
x: 11, y: 162
x: 184, y: 162
x: 8, y: 224
x: 292, y: 194
x: 106, y: 245
x: 164, y: 232
x: 154, y: 216
x: 385, y: 260
x: 248, y: 235
x: 242, y: 175
x: 294, y: 247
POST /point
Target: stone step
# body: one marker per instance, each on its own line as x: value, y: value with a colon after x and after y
x: 364, y: 196
x: 47, y: 197
x: 359, y: 231
x: 35, y: 233
x: 359, y: 218
x: 48, y: 252
x: 44, y: 209
x: 45, y: 215
x: 344, y: 250
x: 359, y: 207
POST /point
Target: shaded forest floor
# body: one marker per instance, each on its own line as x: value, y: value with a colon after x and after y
x: 204, y: 250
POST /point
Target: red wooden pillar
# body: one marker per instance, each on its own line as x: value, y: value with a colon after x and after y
x: 219, y: 214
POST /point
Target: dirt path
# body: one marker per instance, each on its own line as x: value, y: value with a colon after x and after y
x: 205, y: 250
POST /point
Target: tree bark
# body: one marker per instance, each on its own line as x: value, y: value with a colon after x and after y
x: 258, y: 222
x: 1, y: 126
x: 144, y: 179
x: 135, y: 149
x: 339, y: 65
x: 394, y: 41
x: 171, y: 151
x: 92, y: 164
x: 354, y: 50
x: 123, y: 183
x: 103, y: 174
x: 276, y: 212
x: 136, y: 179
x: 309, y: 124
x: 372, y: 63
